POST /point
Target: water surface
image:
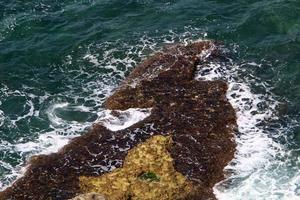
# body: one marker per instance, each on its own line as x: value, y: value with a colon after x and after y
x: 60, y: 59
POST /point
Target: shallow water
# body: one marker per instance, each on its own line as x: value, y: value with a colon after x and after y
x: 60, y: 59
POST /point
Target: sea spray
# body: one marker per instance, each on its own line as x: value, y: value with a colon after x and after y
x: 259, y: 156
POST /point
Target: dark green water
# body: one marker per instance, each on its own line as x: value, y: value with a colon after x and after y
x: 60, y: 59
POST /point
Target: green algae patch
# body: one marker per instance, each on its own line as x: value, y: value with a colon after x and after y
x: 147, y: 173
x: 149, y: 176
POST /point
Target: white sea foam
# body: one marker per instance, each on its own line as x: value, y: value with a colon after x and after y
x: 261, y: 168
x: 52, y: 116
x: 7, y: 25
x: 45, y: 144
x: 2, y: 118
x: 124, y: 118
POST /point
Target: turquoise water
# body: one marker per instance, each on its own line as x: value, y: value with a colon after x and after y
x: 60, y: 59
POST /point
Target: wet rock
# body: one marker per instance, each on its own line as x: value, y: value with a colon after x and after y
x: 194, y: 114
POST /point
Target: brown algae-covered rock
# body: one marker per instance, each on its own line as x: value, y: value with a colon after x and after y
x: 175, y: 64
x: 194, y: 116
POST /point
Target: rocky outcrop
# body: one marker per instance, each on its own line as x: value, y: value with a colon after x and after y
x: 147, y: 173
x: 194, y: 115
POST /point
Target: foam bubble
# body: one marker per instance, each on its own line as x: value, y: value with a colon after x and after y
x: 2, y: 118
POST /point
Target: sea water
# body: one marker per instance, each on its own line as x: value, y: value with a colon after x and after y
x: 59, y: 60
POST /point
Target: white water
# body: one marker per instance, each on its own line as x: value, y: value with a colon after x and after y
x: 124, y: 119
x: 262, y: 169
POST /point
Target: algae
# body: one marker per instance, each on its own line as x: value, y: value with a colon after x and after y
x: 149, y: 176
x: 147, y: 173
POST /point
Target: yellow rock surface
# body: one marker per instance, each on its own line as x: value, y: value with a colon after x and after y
x: 89, y: 196
x: 147, y: 173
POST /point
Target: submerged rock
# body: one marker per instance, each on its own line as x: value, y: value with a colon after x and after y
x: 195, y: 115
